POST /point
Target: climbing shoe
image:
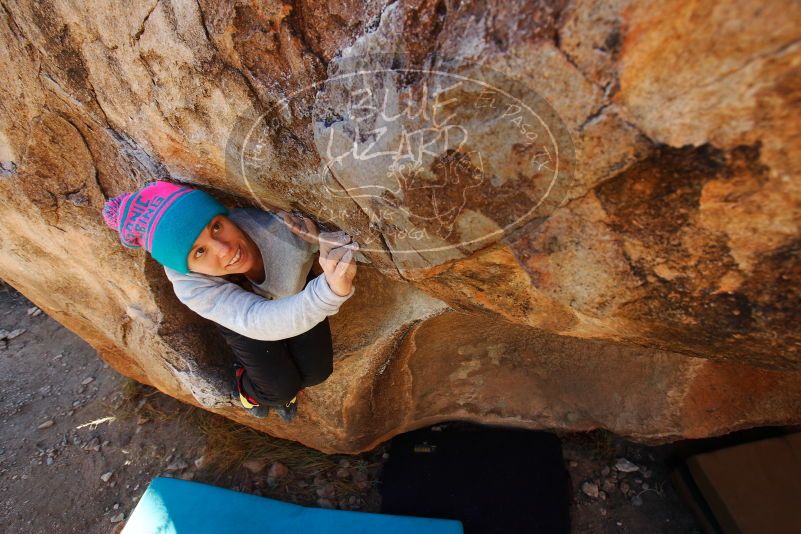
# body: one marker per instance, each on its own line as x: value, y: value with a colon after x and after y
x: 288, y: 410
x: 248, y: 403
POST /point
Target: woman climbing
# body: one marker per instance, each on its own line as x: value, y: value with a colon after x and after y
x: 247, y: 270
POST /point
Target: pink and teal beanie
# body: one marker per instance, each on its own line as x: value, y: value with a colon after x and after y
x: 164, y: 218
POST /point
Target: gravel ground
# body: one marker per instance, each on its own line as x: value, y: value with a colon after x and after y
x: 79, y: 443
x: 620, y: 486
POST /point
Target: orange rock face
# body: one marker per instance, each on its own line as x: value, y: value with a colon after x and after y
x: 573, y: 214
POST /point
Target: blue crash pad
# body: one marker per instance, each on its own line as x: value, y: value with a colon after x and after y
x: 172, y: 506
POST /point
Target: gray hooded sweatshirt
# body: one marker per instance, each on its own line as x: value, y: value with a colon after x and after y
x: 279, y: 307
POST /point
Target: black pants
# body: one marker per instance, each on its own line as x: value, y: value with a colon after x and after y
x: 276, y: 370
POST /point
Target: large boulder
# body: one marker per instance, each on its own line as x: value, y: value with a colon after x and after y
x: 597, y: 224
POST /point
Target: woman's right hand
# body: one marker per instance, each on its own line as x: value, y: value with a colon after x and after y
x: 336, y: 258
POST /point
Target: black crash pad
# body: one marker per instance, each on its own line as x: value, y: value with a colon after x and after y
x: 492, y: 480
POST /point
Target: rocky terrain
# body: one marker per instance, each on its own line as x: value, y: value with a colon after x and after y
x: 76, y: 457
x: 80, y: 443
x: 597, y: 225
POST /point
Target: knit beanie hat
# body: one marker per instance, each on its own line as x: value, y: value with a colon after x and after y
x: 164, y: 218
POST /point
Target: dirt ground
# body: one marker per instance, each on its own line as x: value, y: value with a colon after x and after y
x: 79, y: 443
x: 641, y: 501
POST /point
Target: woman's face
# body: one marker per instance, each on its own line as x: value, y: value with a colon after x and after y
x: 222, y: 248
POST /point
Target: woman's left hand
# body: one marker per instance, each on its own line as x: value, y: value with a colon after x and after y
x: 303, y: 227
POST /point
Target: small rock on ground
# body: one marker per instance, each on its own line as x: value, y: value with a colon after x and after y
x: 325, y: 503
x: 625, y: 466
x: 590, y: 489
x: 277, y: 470
x: 177, y: 465
x: 255, y: 466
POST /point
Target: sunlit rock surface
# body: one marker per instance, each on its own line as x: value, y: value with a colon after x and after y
x: 654, y: 291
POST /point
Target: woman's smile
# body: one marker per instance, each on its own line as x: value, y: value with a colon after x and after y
x: 238, y: 256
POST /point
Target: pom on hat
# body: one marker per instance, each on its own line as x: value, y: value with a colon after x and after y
x: 111, y: 210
